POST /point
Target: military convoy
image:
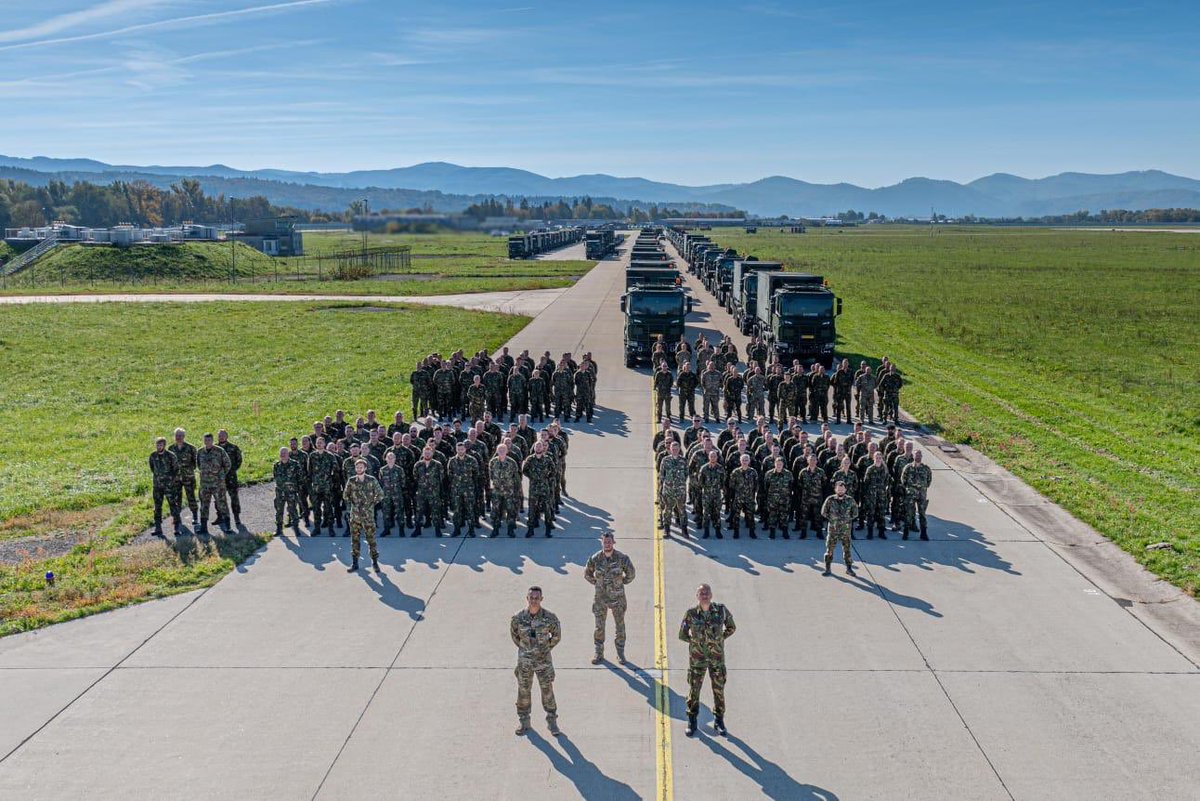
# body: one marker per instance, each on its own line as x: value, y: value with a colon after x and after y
x: 600, y: 242
x: 794, y: 313
x: 655, y: 302
x: 533, y: 243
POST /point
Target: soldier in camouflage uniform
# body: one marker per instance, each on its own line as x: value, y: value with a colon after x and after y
x: 875, y: 496
x: 818, y: 394
x: 287, y: 478
x: 362, y: 493
x: 705, y: 628
x: 916, y: 478
x: 535, y: 631
x: 585, y: 391
x: 323, y: 483
x: 778, y: 483
x: 164, y: 469
x: 518, y: 394
x: 756, y: 393
x: 710, y: 387
x: 609, y: 571
x: 864, y: 387
x: 462, y: 474
x: 504, y: 474
x: 476, y: 397
x: 443, y: 385
x: 842, y: 382
x: 841, y: 511
x: 563, y: 383
x: 687, y: 382
x: 672, y: 490
x: 787, y: 398
x: 185, y: 454
x: 537, y: 396
x: 810, y: 486
x: 543, y: 480
x: 422, y: 388
x: 391, y: 481
x: 732, y: 385
x: 662, y: 383
x: 213, y: 463
x: 493, y: 388
x: 428, y: 478
x: 899, y: 459
x: 743, y: 492
x: 231, y: 477
x: 889, y: 394
x: 712, y: 490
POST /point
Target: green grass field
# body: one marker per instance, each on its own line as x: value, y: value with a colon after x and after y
x: 443, y: 263
x: 93, y: 384
x: 1070, y: 357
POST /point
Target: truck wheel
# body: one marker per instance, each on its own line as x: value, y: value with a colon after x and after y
x: 630, y: 361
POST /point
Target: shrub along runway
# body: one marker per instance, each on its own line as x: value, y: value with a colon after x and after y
x: 982, y: 664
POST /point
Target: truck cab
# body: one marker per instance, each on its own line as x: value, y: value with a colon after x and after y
x: 796, y: 316
x: 743, y: 294
x: 650, y: 311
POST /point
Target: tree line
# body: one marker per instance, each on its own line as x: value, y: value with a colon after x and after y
x: 585, y: 208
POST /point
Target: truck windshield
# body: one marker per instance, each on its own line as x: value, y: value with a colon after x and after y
x: 646, y: 304
x: 799, y: 304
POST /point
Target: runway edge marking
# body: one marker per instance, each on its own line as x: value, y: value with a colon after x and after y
x: 664, y: 771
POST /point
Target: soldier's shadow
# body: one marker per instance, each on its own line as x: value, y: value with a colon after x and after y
x: 588, y: 779
x: 775, y: 781
x: 608, y: 421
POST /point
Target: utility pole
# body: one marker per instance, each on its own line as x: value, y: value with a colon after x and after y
x: 366, y: 214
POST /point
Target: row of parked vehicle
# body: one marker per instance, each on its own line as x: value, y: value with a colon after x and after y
x: 794, y: 313
x: 526, y: 246
x: 655, y: 301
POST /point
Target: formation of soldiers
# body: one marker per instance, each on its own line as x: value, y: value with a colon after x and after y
x: 173, y: 470
x: 504, y: 385
x: 413, y: 476
x: 788, y: 481
x: 767, y: 386
x: 535, y: 631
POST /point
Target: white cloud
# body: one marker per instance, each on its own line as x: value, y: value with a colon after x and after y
x: 74, y: 19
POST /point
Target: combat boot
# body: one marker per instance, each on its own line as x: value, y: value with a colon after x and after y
x: 158, y: 532
x: 717, y: 529
x: 549, y: 526
x: 522, y: 726
x: 599, y: 656
x: 552, y: 725
x: 871, y: 532
x: 203, y: 530
x: 705, y: 535
x: 850, y: 570
x: 237, y: 519
x: 737, y: 531
x: 691, y: 727
x: 719, y: 725
x: 471, y: 531
x: 784, y: 531
x: 803, y: 531
x: 457, y: 532
x: 684, y: 529
x: 753, y: 533
x: 178, y: 526
x: 924, y: 532
x: 512, y: 529
x: 278, y: 528
x: 375, y: 565
x: 828, y: 564
x: 906, y: 530
x: 387, y: 531
x: 353, y: 567
x: 621, y: 654
x: 194, y: 521
x: 771, y: 533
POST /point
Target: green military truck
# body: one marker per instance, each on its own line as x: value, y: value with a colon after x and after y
x: 743, y: 290
x: 650, y: 311
x: 795, y: 316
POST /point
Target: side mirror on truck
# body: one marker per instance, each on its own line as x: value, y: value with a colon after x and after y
x: 839, y: 306
x: 622, y: 303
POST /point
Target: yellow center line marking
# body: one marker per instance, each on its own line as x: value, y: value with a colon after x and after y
x: 662, y: 694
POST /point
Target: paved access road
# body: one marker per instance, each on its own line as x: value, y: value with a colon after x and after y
x: 985, y: 664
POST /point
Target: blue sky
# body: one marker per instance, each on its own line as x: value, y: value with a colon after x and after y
x: 699, y: 92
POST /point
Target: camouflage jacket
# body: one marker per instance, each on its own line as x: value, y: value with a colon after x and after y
x: 213, y: 464
x: 542, y: 473
x: 756, y: 385
x: 706, y: 632
x: 391, y: 480
x: 185, y: 455
x: 609, y: 574
x: 462, y: 472
x: 673, y: 475
x: 865, y: 383
x: 518, y: 385
x: 428, y: 478
x: 840, y: 512
x: 743, y: 484
x: 890, y: 384
x: 286, y: 475
x: 849, y: 477
x: 535, y: 635
x: 875, y: 481
x: 710, y: 382
x: 505, y: 476
x: 778, y: 485
x: 322, y: 470
x: 687, y: 382
x: 235, y: 458
x: 916, y: 478
x: 811, y: 483
x: 712, y: 480
x: 362, y: 496
x: 663, y: 381
x: 818, y: 384
x: 164, y: 467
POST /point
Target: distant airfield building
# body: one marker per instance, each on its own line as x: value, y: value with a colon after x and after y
x: 123, y: 235
x: 275, y: 236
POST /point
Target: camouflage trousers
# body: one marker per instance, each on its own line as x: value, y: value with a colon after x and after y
x: 428, y: 509
x: 839, y: 534
x: 711, y: 409
x: 322, y: 507
x: 818, y: 407
x: 216, y: 494
x: 711, y: 510
x: 891, y: 408
x: 716, y: 672
x: 600, y: 609
x: 286, y: 498
x: 754, y: 406
x: 445, y: 403
x: 874, y: 506
x: 777, y: 513
x: 808, y: 512
x: 187, y: 486
x: 562, y: 405
x: 393, y: 511
x: 662, y: 405
x: 526, y: 670
x: 162, y: 493
x: 671, y: 504
x: 462, y: 503
x: 541, y: 503
x: 915, y: 504
x: 235, y: 501
x: 864, y: 408
x: 687, y: 404
x: 741, y: 507
x: 505, y: 507
x: 362, y: 527
x: 733, y: 407
x: 841, y: 403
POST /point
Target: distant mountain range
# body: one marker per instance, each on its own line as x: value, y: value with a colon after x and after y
x: 449, y: 187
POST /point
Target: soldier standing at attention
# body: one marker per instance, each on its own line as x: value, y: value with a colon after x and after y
x: 711, y: 479
x: 391, y: 481
x: 185, y: 455
x: 710, y: 386
x: 428, y: 476
x: 323, y: 469
x: 362, y: 493
x: 165, y: 471
x: 916, y: 478
x: 543, y: 479
x: 778, y: 482
x: 743, y: 492
x: 504, y: 473
x: 705, y: 628
x: 609, y: 571
x: 864, y: 386
x: 231, y: 476
x: 287, y: 478
x: 672, y: 490
x: 213, y: 463
x: 841, y: 511
x: 462, y: 473
x: 663, y: 381
x: 842, y: 382
x: 535, y: 631
x: 687, y: 382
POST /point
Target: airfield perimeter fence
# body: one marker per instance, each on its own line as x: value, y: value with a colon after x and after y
x: 340, y: 265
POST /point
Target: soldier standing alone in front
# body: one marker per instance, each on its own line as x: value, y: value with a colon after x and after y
x: 535, y: 631
x: 841, y: 511
x: 362, y: 493
x: 609, y: 571
x: 705, y: 628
